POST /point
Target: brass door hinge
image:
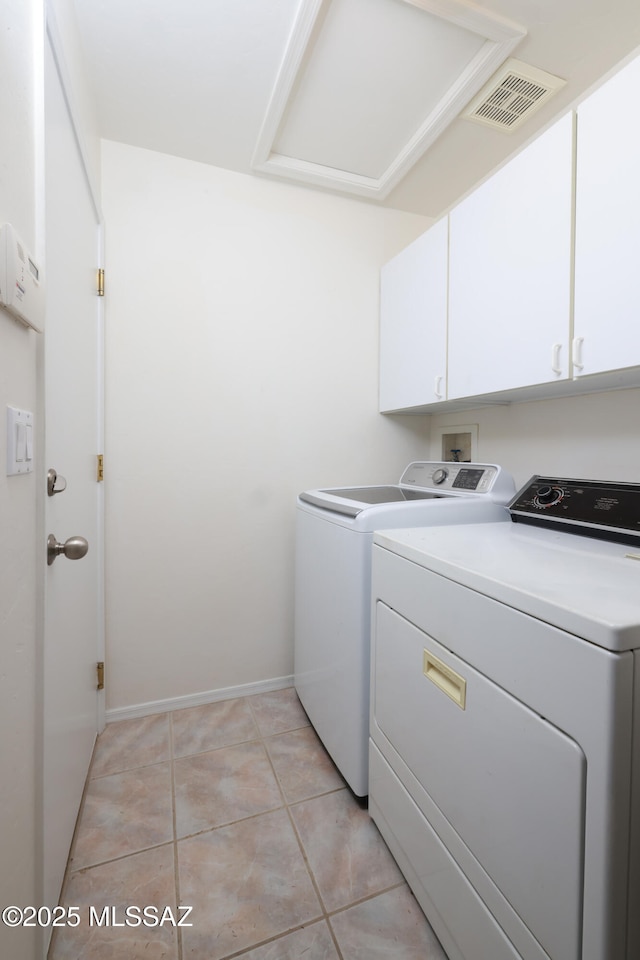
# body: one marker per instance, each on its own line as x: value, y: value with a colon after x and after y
x: 100, y: 281
x: 100, y: 468
x: 100, y: 675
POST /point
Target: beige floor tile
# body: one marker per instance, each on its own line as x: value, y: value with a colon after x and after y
x: 346, y: 853
x: 131, y: 743
x: 222, y: 786
x: 278, y: 711
x: 247, y: 883
x: 124, y: 813
x: 303, y: 766
x: 144, y: 879
x: 212, y: 725
x: 311, y: 943
x: 240, y: 863
x: 388, y: 927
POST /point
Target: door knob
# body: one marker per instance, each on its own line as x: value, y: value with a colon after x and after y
x: 74, y: 548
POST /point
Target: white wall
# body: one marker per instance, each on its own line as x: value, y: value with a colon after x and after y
x: 20, y: 25
x: 242, y: 337
x: 18, y: 636
x: 596, y: 436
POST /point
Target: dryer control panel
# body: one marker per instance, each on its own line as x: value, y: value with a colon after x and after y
x: 593, y: 508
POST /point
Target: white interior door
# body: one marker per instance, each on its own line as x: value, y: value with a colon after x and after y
x: 73, y: 631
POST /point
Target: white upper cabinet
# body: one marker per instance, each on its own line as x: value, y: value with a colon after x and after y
x: 531, y: 286
x: 607, y: 266
x: 510, y: 272
x: 413, y: 323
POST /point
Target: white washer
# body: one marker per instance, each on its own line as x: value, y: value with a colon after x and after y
x: 334, y: 532
x: 505, y: 724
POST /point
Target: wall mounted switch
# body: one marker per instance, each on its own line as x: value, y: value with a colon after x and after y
x: 19, y: 442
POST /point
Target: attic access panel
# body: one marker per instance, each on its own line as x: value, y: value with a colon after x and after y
x: 366, y: 86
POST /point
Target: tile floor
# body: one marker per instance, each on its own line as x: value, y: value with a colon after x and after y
x: 235, y: 809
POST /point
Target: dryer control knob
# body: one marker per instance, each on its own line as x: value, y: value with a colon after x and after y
x: 440, y: 475
x: 548, y: 495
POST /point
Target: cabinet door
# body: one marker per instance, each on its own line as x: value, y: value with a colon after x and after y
x: 607, y: 285
x: 510, y: 272
x: 413, y: 323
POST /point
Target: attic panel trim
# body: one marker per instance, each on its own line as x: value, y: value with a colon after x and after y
x: 501, y: 37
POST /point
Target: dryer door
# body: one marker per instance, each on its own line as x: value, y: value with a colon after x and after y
x: 511, y: 785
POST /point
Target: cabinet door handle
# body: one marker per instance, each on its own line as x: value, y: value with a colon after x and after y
x: 445, y: 678
x: 555, y: 358
x: 436, y: 387
x: 577, y: 352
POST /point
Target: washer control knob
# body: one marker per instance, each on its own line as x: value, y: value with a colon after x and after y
x: 548, y: 495
x: 440, y: 475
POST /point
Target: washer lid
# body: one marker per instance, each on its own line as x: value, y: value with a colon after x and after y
x: 421, y: 480
x: 342, y: 498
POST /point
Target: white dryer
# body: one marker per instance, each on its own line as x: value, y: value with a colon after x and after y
x: 505, y: 723
x: 334, y: 532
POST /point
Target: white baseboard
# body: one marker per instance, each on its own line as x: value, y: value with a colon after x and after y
x: 197, y: 699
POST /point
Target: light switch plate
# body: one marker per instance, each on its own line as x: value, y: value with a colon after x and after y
x: 19, y: 442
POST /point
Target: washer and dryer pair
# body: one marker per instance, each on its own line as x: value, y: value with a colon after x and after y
x: 333, y: 593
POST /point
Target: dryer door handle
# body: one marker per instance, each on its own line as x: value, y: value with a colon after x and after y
x: 445, y: 678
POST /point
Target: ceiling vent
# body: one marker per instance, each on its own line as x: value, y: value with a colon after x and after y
x: 512, y: 96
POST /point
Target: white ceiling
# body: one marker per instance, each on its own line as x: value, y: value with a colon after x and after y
x: 360, y: 96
